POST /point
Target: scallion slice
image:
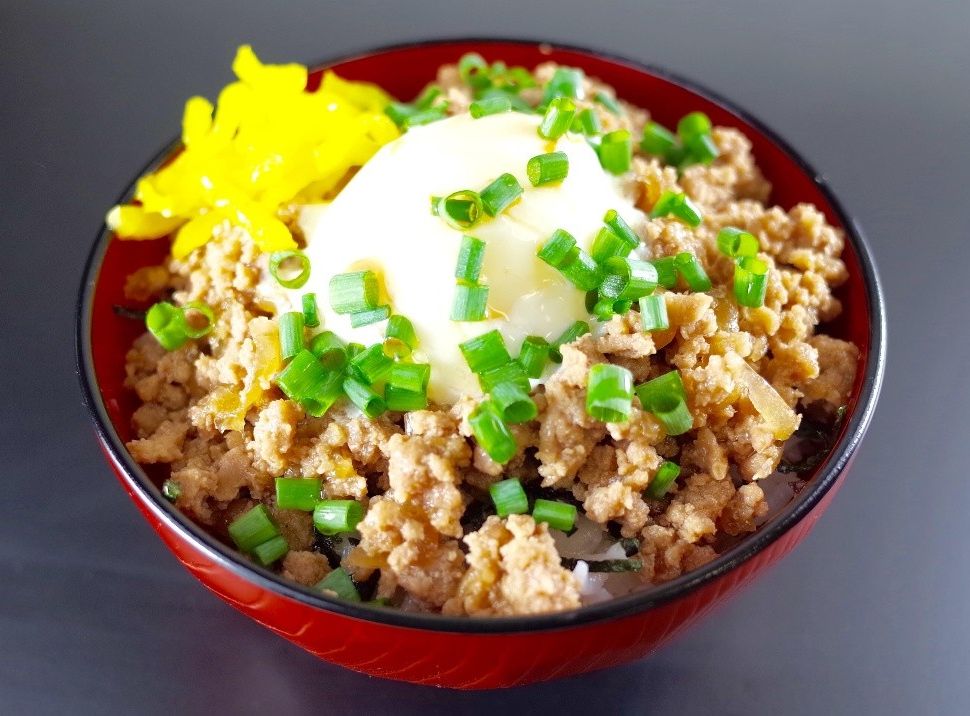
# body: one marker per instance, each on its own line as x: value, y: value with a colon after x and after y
x: 281, y: 270
x: 577, y: 329
x: 678, y: 205
x: 608, y: 101
x: 657, y: 140
x: 626, y: 279
x: 609, y: 393
x: 653, y: 313
x: 373, y: 315
x: 587, y: 122
x: 189, y: 311
x: 500, y: 194
x: 616, y: 151
x: 565, y: 82
x: 509, y: 497
x: 399, y: 112
x: 491, y: 432
x: 700, y: 149
x: 306, y: 381
x: 666, y: 271
x: 171, y: 490
x: 750, y: 282
x: 558, y: 515
x: 429, y: 97
x: 363, y: 396
x: 354, y: 292
x: 297, y: 493
x: 557, y: 249
x: 666, y: 474
x: 461, y: 209
x: 471, y: 255
x: 693, y: 125
x: 581, y: 270
x: 340, y: 583
x: 485, y: 352
x: 311, y: 318
x: 400, y: 400
x: 622, y: 229
x: 354, y: 350
x: 557, y: 118
x: 533, y: 355
x: 252, y: 528
x: 271, y: 550
x: 371, y: 365
x: 513, y: 402
x: 424, y: 116
x: 692, y: 271
x: 607, y: 244
x: 511, y: 372
x: 399, y: 337
x: 734, y: 242
x: 547, y: 168
x: 491, y: 105
x: 331, y: 351
x: 665, y: 397
x: 473, y: 70
x: 332, y: 517
x: 410, y: 376
x: 291, y: 334
x: 166, y: 323
x: 470, y: 302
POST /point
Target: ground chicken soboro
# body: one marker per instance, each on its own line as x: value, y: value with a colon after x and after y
x: 211, y: 413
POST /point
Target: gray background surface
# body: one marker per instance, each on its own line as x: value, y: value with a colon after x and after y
x: 869, y: 615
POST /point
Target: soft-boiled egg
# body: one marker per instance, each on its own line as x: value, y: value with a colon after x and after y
x: 382, y: 221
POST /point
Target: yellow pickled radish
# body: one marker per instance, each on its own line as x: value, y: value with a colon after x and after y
x: 136, y: 223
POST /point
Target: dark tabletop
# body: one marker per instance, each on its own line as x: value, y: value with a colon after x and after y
x: 870, y: 615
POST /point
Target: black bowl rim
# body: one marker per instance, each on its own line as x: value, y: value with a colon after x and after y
x: 826, y: 476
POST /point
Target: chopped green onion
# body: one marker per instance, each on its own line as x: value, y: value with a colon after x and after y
x: 657, y: 140
x: 331, y: 351
x: 627, y: 280
x: 492, y: 105
x: 310, y: 317
x: 734, y: 242
x: 252, y: 528
x: 167, y: 324
x: 603, y: 309
x: 509, y: 497
x: 609, y: 393
x: 374, y: 315
x: 399, y: 337
x: 607, y: 244
x: 354, y: 350
x: 547, y: 168
x: 473, y: 70
x: 581, y: 270
x: 577, y: 329
x: 471, y: 255
x: 461, y: 209
x: 410, y: 376
x: 306, y: 381
x: 607, y: 101
x: 470, y: 302
x: 693, y: 125
x: 491, y: 432
x: 666, y: 271
x: 399, y: 112
x: 666, y: 399
x: 653, y: 313
x: 363, y: 396
x: 354, y: 292
x: 558, y: 515
x: 565, y: 82
x: 297, y: 493
x: 340, y: 583
x: 171, y: 490
x: 500, y: 194
x: 371, y: 365
x: 692, y: 271
x: 400, y: 400
x: 285, y: 277
x: 513, y: 402
x: 204, y: 311
x: 518, y: 104
x: 291, y: 334
x: 616, y: 151
x: 701, y: 149
x: 557, y: 118
x: 332, y: 517
x: 424, y: 116
x: 429, y: 95
x: 533, y: 355
x: 557, y: 249
x: 750, y: 282
x: 587, y: 122
x: 663, y: 479
x: 271, y: 550
x: 511, y: 372
x: 622, y: 229
x: 485, y: 352
x: 678, y: 205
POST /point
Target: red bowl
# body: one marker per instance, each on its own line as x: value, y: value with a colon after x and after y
x: 487, y: 653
